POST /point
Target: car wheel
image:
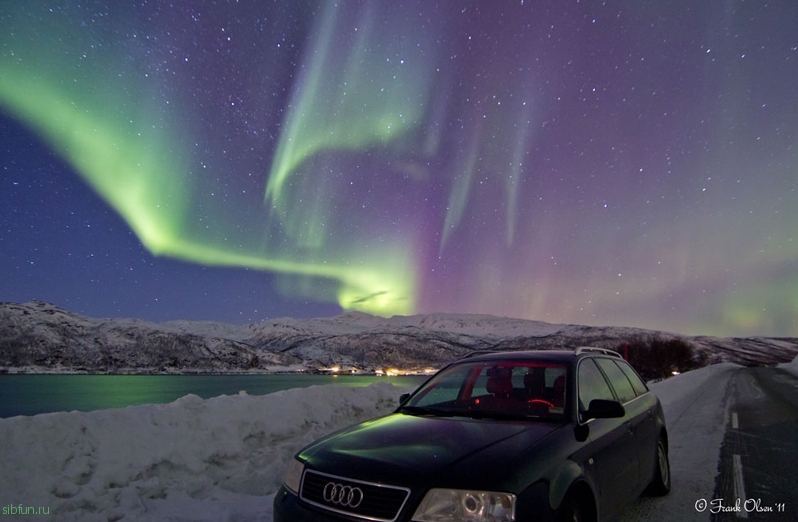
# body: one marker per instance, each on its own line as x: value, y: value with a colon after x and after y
x: 661, y: 483
x: 570, y: 511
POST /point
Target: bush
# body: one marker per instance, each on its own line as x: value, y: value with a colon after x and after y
x: 657, y: 358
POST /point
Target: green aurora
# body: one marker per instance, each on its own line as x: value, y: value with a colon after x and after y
x: 635, y: 167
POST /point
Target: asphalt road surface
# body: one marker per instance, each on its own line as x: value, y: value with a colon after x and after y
x: 758, y: 478
x: 734, y: 451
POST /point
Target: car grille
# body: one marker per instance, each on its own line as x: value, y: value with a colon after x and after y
x: 368, y: 501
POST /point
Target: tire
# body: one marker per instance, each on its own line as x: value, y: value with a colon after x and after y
x: 571, y: 511
x: 661, y: 482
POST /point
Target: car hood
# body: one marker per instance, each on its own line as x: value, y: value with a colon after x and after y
x: 400, y: 446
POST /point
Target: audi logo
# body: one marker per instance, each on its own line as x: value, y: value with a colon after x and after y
x: 344, y: 496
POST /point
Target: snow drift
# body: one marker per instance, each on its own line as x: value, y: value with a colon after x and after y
x: 192, y: 459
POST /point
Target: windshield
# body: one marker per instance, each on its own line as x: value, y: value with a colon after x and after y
x: 508, y: 389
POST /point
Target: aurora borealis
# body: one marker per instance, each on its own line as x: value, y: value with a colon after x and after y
x: 586, y: 162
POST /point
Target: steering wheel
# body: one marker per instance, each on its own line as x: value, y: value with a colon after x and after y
x: 540, y: 401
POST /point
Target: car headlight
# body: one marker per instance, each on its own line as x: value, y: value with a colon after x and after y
x: 450, y: 505
x: 293, y: 476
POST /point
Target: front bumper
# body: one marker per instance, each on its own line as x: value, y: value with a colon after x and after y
x: 288, y: 509
x: 533, y: 505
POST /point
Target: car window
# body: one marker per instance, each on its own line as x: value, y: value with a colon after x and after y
x: 621, y: 385
x: 480, y: 385
x: 519, y: 388
x: 637, y: 383
x: 592, y: 384
x: 447, y: 386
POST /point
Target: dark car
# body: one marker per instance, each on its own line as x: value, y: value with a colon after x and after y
x: 512, y: 436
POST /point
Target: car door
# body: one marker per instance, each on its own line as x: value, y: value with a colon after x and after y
x: 647, y: 429
x: 613, y: 447
x: 638, y: 419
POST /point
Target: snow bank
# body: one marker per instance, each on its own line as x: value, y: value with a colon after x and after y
x: 687, y: 386
x: 193, y: 459
x: 791, y: 367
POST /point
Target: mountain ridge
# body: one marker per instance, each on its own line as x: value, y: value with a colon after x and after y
x: 38, y: 337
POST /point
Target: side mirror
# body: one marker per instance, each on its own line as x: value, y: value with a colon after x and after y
x: 403, y: 398
x: 604, y: 409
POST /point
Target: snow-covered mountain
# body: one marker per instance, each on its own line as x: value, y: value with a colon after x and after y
x: 40, y: 337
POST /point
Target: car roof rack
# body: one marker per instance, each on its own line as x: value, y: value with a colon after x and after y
x: 577, y: 351
x: 593, y: 349
x: 488, y: 351
x: 475, y: 353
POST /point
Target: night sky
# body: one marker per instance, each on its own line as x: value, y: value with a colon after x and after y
x: 628, y: 163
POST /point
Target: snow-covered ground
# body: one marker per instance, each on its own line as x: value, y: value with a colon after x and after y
x: 791, y: 367
x: 222, y: 459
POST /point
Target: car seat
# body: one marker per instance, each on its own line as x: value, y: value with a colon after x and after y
x: 558, y: 388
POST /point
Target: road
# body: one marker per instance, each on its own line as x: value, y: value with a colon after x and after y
x: 759, y: 455
x: 734, y: 436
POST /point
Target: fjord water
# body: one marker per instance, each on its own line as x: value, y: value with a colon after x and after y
x: 34, y: 394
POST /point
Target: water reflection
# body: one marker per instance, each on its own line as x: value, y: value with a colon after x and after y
x: 34, y: 394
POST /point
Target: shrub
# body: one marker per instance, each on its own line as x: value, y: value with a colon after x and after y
x: 656, y: 358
